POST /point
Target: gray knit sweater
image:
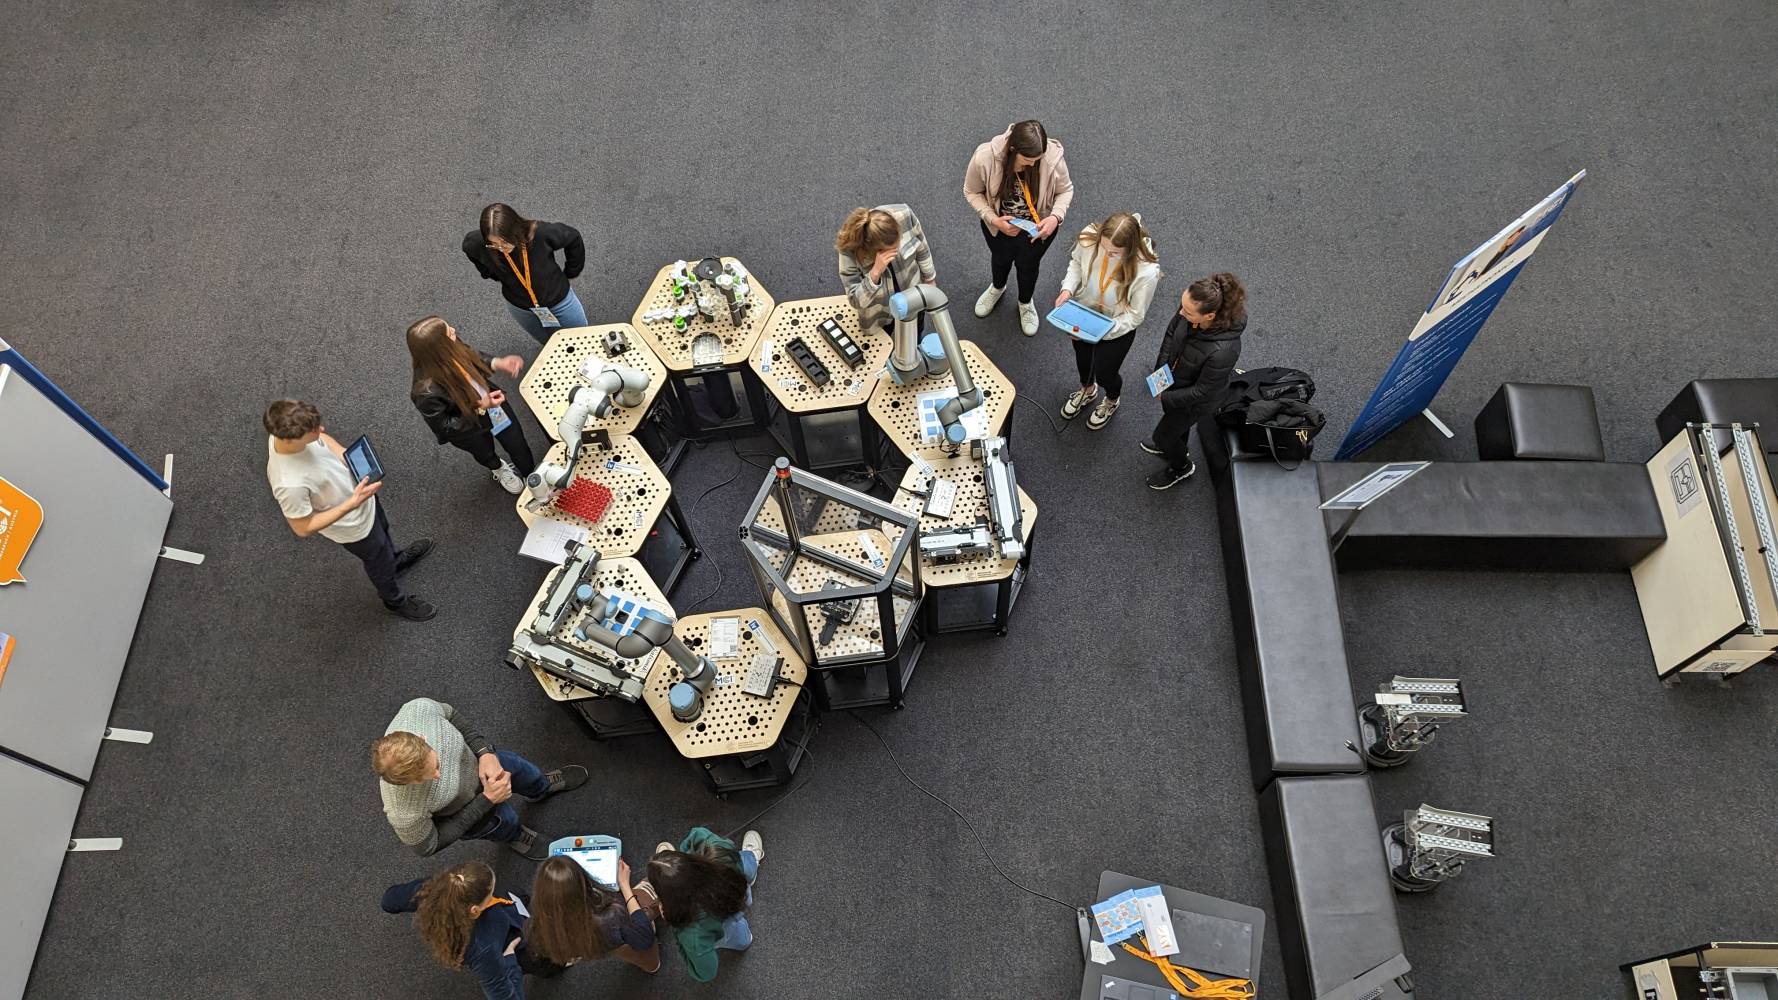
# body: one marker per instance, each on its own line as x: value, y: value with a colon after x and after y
x: 429, y: 815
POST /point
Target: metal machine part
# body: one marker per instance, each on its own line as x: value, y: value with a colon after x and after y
x: 1405, y: 716
x: 762, y: 675
x: 730, y: 279
x: 607, y: 385
x: 1003, y: 495
x: 615, y: 342
x: 599, y: 660
x: 1431, y: 845
x: 914, y: 357
x: 955, y: 543
x: 835, y: 613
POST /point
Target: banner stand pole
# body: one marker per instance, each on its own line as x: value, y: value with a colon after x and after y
x: 1436, y: 422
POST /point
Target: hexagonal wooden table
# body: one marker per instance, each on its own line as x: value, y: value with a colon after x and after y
x: 702, y: 392
x: 896, y: 408
x: 821, y: 427
x: 957, y: 587
x: 556, y: 370
x: 735, y: 724
x: 642, y: 508
x: 626, y: 575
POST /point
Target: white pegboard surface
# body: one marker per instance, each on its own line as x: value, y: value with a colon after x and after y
x: 556, y: 371
x: 733, y: 721
x: 784, y: 379
x: 638, y: 495
x: 970, y: 507
x: 896, y: 407
x: 626, y: 575
x: 673, y: 347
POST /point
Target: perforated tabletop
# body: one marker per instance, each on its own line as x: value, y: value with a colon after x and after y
x: 639, y: 493
x: 896, y: 407
x: 673, y: 347
x: 556, y: 371
x: 733, y: 721
x: 784, y: 379
x: 626, y: 575
x: 970, y: 507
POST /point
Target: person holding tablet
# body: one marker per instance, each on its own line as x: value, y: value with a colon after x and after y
x: 575, y: 919
x: 1112, y: 270
x: 1199, y: 349
x: 704, y: 889
x: 521, y: 255
x: 1018, y: 184
x: 455, y: 392
x: 315, y: 488
x: 464, y: 924
x: 882, y: 251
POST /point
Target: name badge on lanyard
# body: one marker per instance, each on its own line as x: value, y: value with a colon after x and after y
x: 544, y: 316
x: 497, y: 414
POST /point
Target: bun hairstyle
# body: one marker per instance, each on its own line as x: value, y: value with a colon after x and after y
x: 1223, y: 294
x: 1026, y: 138
x: 866, y: 231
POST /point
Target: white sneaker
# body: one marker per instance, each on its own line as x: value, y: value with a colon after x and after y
x: 509, y: 479
x: 751, y: 841
x: 1077, y: 401
x: 1028, y: 319
x: 986, y: 302
x: 1101, y: 414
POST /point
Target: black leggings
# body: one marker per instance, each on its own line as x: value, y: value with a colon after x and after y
x: 1098, y: 363
x: 512, y: 441
x: 1005, y: 251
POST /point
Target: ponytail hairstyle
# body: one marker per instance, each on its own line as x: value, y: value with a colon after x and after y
x: 504, y: 222
x: 867, y: 231
x: 446, y: 362
x: 691, y: 886
x: 565, y: 907
x: 444, y: 916
x: 1125, y: 232
x: 1223, y: 294
x: 1027, y: 138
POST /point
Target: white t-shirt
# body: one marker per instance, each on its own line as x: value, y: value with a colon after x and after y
x: 313, y: 480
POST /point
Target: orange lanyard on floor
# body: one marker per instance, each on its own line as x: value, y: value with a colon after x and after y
x: 1190, y: 982
x: 525, y: 278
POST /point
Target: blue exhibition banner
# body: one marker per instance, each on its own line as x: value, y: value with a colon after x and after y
x: 1450, y: 323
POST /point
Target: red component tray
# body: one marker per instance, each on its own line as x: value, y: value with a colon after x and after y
x: 584, y: 499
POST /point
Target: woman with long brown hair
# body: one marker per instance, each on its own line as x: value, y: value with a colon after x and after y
x: 454, y: 390
x: 465, y: 925
x: 521, y: 255
x: 1112, y: 270
x: 575, y: 919
x: 1018, y: 184
x: 882, y: 251
x: 704, y: 889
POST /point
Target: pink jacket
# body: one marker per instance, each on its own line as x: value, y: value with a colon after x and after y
x: 981, y: 181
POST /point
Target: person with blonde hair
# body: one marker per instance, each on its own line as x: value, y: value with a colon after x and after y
x: 465, y: 925
x: 443, y: 781
x: 455, y: 392
x: 882, y: 251
x: 1015, y: 180
x: 1113, y: 270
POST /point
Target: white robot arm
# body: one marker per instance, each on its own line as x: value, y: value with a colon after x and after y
x: 607, y: 385
x: 914, y: 357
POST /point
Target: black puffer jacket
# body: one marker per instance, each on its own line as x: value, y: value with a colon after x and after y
x: 1202, y: 361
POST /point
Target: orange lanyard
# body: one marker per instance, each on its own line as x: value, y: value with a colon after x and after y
x: 525, y: 278
x: 1104, y: 278
x: 1032, y: 205
x: 480, y: 389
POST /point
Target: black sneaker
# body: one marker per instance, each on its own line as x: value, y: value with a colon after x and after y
x: 414, y: 609
x: 416, y: 550
x: 1150, y: 448
x: 525, y: 845
x: 1170, y: 477
x: 562, y: 779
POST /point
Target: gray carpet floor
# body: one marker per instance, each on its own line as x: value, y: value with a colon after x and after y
x: 210, y: 205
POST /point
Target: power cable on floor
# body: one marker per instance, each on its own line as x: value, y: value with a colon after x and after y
x: 1058, y: 428
x: 983, y: 844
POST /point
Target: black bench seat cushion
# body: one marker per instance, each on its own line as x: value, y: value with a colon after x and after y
x: 1526, y: 515
x: 1330, y: 887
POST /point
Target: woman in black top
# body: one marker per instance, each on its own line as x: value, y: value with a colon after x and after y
x: 521, y: 255
x: 574, y: 919
x: 1200, y: 347
x: 455, y: 391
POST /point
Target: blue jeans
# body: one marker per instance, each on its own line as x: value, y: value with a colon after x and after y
x: 569, y: 311
x: 502, y: 822
x: 736, y: 935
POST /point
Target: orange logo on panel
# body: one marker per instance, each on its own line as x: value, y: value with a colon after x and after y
x: 20, y: 517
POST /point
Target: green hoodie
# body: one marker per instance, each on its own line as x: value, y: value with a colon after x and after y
x: 697, y: 940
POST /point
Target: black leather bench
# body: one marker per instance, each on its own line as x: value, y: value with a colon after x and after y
x: 1295, y: 687
x: 1335, y: 907
x: 1502, y: 515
